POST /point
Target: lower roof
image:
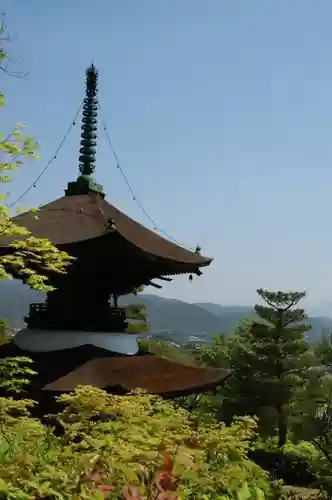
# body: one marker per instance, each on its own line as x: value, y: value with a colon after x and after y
x: 153, y: 374
x: 61, y: 371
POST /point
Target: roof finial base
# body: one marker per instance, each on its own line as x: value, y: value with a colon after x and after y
x: 84, y: 184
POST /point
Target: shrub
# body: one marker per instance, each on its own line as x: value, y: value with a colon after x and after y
x: 290, y: 467
x: 141, y: 443
x: 300, y: 464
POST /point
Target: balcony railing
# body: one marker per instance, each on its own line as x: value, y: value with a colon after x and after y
x: 108, y: 319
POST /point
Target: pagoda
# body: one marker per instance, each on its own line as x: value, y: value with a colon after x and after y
x: 79, y: 334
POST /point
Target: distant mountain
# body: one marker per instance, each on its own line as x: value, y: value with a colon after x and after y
x: 220, y: 310
x: 229, y: 316
x: 169, y: 318
x: 171, y: 314
x: 216, y: 309
x: 205, y: 319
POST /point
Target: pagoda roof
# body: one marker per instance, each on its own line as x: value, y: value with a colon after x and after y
x: 74, y: 219
x: 63, y: 370
x: 155, y: 375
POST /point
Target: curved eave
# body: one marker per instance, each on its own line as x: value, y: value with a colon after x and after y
x: 188, y: 261
x: 76, y: 219
x: 155, y: 375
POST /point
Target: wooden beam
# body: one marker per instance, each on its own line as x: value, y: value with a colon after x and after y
x: 155, y: 285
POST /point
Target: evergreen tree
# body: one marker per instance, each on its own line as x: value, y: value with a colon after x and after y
x: 313, y: 421
x: 268, y: 357
x: 5, y: 333
x: 215, y: 354
x: 323, y: 350
x: 139, y: 314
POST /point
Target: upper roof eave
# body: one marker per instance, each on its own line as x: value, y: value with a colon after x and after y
x: 74, y: 219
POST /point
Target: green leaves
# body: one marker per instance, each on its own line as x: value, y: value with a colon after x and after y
x: 279, y: 299
x: 15, y: 373
x: 32, y: 259
x: 32, y: 256
x: 150, y: 447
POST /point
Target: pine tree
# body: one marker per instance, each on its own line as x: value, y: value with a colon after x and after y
x: 323, y: 350
x: 269, y: 361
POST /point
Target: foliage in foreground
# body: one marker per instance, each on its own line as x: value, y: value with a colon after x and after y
x: 30, y: 258
x: 145, y: 445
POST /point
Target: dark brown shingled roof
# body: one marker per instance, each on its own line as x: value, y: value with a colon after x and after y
x: 72, y: 219
x: 155, y: 375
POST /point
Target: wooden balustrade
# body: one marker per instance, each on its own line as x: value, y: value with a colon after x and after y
x: 107, y: 319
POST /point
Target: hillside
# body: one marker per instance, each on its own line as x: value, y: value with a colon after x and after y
x: 169, y: 317
x: 171, y: 314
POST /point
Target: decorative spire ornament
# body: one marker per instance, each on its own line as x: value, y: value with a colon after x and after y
x: 87, y: 159
x: 89, y: 127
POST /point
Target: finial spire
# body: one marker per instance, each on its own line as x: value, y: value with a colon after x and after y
x: 87, y: 159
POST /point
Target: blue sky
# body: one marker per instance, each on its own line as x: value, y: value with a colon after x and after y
x: 220, y: 112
